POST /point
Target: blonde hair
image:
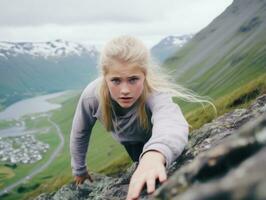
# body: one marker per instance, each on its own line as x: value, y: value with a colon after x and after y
x: 131, y: 50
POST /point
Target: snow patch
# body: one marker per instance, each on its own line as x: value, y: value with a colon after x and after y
x: 57, y: 48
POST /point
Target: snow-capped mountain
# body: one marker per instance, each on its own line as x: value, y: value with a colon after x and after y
x: 28, y: 68
x: 175, y: 41
x: 54, y: 49
x: 169, y: 45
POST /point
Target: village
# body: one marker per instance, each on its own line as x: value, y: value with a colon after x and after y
x: 22, y: 149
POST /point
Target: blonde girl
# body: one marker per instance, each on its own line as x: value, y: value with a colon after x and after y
x: 134, y: 102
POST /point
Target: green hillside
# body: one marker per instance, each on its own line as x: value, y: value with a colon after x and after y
x: 111, y: 157
x: 25, y: 76
x: 228, y: 53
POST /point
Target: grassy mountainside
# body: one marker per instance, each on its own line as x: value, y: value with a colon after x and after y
x: 100, y: 159
x: 226, y: 54
x: 106, y: 155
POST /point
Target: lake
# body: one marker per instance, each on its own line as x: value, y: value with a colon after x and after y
x: 29, y: 106
x: 24, y: 107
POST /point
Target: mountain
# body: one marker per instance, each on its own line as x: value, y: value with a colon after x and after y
x: 27, y: 68
x: 56, y: 49
x: 226, y: 54
x: 168, y: 46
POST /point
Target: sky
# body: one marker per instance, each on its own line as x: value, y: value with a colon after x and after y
x: 94, y: 22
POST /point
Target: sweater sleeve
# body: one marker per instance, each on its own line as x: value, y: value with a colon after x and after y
x: 83, y: 122
x: 170, y: 128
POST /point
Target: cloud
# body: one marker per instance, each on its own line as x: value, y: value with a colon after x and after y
x: 96, y: 21
x: 69, y: 12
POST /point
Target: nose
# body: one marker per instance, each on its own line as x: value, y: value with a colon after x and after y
x: 125, y: 89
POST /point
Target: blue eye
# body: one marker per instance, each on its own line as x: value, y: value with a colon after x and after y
x: 133, y: 80
x: 115, y: 81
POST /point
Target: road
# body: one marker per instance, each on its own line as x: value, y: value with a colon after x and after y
x: 42, y: 167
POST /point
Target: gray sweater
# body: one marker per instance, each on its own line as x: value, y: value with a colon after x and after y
x: 168, y: 132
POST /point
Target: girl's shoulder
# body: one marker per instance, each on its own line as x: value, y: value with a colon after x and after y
x: 91, y: 91
x: 158, y: 97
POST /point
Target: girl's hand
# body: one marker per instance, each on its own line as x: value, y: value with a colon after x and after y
x: 150, y: 168
x: 80, y: 179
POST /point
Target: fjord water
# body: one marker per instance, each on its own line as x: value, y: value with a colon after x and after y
x: 29, y: 106
x: 24, y: 107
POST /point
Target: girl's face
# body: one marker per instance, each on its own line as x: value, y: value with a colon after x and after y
x: 125, y: 83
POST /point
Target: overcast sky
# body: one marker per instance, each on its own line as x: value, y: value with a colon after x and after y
x: 97, y: 21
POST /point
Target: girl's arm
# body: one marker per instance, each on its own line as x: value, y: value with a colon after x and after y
x: 169, y: 137
x: 170, y: 128
x: 82, y: 125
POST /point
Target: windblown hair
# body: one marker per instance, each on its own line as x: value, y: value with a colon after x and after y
x: 130, y: 50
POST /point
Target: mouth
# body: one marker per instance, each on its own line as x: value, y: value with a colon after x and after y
x: 126, y: 99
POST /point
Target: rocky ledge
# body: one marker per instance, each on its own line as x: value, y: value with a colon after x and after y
x: 225, y: 159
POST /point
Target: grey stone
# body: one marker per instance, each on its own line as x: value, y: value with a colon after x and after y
x: 214, y: 173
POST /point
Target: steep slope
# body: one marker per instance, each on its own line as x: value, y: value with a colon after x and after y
x: 30, y: 68
x: 227, y: 53
x: 231, y: 147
